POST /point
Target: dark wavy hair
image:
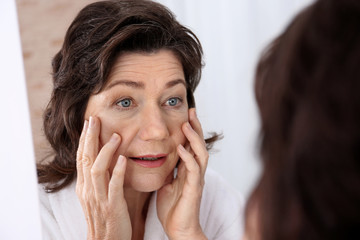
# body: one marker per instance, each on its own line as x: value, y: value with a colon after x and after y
x: 308, y: 93
x: 100, y: 32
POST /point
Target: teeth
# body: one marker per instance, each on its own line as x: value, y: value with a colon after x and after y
x: 146, y: 158
x: 149, y: 159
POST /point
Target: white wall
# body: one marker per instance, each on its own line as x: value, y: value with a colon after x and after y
x: 19, y: 207
x: 233, y: 33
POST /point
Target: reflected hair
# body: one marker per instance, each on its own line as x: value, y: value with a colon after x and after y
x: 307, y: 89
x: 99, y: 33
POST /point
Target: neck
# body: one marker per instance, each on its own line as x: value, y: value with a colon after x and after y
x: 138, y: 203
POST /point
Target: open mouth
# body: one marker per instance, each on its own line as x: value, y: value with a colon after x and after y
x: 145, y: 158
x: 150, y: 161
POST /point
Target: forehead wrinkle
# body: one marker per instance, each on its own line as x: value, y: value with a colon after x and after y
x: 127, y: 83
x: 147, y: 61
x: 126, y: 71
x: 132, y: 70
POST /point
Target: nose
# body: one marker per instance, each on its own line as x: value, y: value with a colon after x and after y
x: 153, y: 125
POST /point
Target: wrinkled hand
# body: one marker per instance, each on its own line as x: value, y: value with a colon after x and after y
x: 178, y: 203
x: 100, y: 192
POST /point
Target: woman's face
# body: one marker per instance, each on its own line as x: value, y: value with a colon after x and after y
x: 144, y: 101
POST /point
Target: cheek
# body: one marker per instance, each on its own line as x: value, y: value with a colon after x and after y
x: 94, y: 106
x: 106, y: 132
x: 126, y: 129
x: 175, y: 129
x: 108, y: 127
x: 120, y: 126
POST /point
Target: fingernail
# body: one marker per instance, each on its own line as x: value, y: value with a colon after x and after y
x: 91, y: 122
x: 195, y: 115
x: 114, y: 137
x: 86, y: 124
x: 121, y: 159
x: 188, y: 125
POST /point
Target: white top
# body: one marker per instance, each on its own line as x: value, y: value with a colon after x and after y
x: 221, y: 213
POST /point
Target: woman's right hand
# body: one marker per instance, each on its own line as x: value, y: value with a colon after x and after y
x: 101, y: 192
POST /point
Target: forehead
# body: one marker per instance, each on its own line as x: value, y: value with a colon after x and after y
x: 161, y: 65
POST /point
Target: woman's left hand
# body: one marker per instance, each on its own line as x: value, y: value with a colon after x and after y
x: 178, y: 203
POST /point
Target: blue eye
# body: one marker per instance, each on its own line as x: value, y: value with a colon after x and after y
x: 172, y: 101
x: 125, y: 103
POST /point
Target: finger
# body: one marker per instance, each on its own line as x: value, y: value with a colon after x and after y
x: 193, y: 171
x: 100, y: 169
x: 79, y: 153
x: 90, y: 218
x: 188, y: 148
x: 91, y: 148
x: 181, y: 171
x: 116, y: 186
x: 197, y: 144
x: 195, y: 123
x: 91, y: 145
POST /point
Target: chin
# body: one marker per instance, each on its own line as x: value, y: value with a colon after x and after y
x: 147, y: 182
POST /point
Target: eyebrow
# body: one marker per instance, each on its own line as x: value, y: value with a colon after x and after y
x: 141, y: 85
x: 175, y: 82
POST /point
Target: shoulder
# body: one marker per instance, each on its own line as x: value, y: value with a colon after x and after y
x: 50, y: 228
x: 60, y: 199
x: 216, y: 187
x: 61, y: 214
x: 45, y: 199
x: 222, y: 206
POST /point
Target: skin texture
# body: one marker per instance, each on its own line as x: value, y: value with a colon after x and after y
x: 142, y: 110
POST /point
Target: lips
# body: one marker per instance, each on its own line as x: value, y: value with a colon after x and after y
x: 150, y: 161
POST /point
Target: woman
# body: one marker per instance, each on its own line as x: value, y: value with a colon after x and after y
x: 307, y: 89
x: 126, y: 138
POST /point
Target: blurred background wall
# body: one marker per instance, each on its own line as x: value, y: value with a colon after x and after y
x: 233, y: 34
x: 19, y: 202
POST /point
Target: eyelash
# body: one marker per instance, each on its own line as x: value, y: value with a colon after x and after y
x: 180, y: 100
x: 118, y: 103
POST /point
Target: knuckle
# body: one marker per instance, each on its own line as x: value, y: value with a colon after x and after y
x: 86, y: 197
x: 89, y: 138
x: 86, y: 160
x: 117, y: 172
x: 108, y: 209
x: 96, y: 172
x: 78, y: 191
x: 79, y: 155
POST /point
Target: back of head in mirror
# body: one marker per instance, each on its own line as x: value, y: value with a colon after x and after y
x: 307, y: 89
